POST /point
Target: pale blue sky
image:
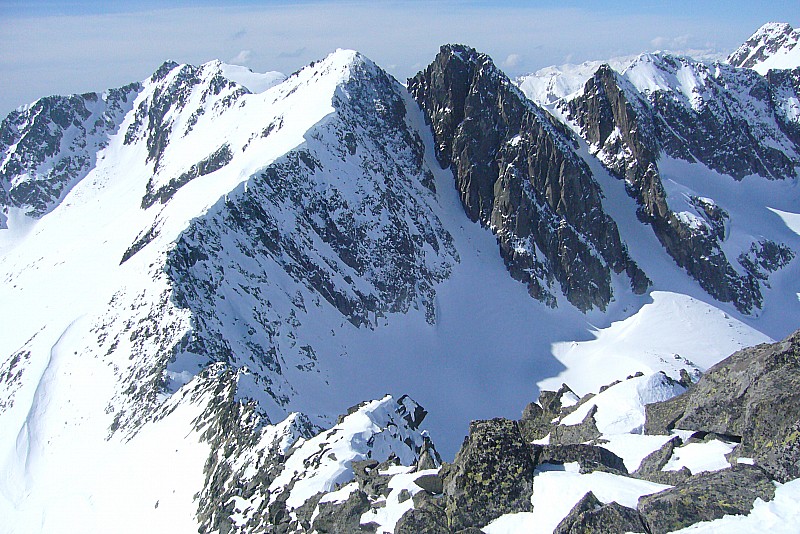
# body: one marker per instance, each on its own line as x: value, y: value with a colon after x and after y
x: 49, y: 47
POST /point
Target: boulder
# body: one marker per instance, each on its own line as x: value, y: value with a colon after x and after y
x: 587, y: 503
x: 492, y: 475
x: 430, y: 483
x: 705, y: 497
x: 651, y: 466
x: 427, y: 517
x: 342, y: 518
x: 752, y: 396
x: 590, y: 457
x: 584, y: 431
x: 590, y: 515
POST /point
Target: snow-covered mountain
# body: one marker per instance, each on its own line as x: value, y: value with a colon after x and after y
x: 655, y: 113
x: 773, y: 46
x: 204, y: 270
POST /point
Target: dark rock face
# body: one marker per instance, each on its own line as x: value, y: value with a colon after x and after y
x: 215, y: 161
x: 629, y: 131
x: 49, y: 146
x: 753, y: 395
x: 591, y: 515
x: 705, y: 497
x: 590, y: 457
x: 517, y: 173
x: 783, y: 84
x: 492, y: 475
x: 764, y: 258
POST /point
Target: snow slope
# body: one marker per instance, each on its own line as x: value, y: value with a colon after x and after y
x: 550, y: 84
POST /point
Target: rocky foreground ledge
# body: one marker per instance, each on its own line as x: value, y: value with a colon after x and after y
x: 745, y: 410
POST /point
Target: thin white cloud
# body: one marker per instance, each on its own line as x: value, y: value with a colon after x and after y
x: 241, y: 58
x: 659, y: 42
x: 512, y: 61
x: 673, y: 43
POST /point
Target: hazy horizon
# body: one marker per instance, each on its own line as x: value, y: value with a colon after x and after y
x: 63, y: 48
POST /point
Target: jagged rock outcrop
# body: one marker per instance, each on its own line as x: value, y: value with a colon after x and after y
x: 628, y: 130
x: 537, y: 417
x: 753, y: 395
x: 517, y: 173
x: 344, y: 517
x: 705, y: 497
x: 491, y: 475
x: 246, y: 451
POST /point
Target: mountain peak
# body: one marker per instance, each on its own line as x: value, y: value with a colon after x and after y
x: 774, y: 30
x: 773, y: 46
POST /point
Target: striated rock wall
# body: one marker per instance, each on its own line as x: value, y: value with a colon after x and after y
x: 516, y: 172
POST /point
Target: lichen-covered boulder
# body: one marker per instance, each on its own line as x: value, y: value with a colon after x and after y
x: 537, y: 417
x: 584, y: 431
x: 754, y: 395
x: 492, y: 475
x: 651, y: 465
x: 705, y: 497
x: 427, y: 517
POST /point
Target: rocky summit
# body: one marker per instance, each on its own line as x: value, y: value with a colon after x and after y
x: 516, y: 172
x: 333, y: 302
